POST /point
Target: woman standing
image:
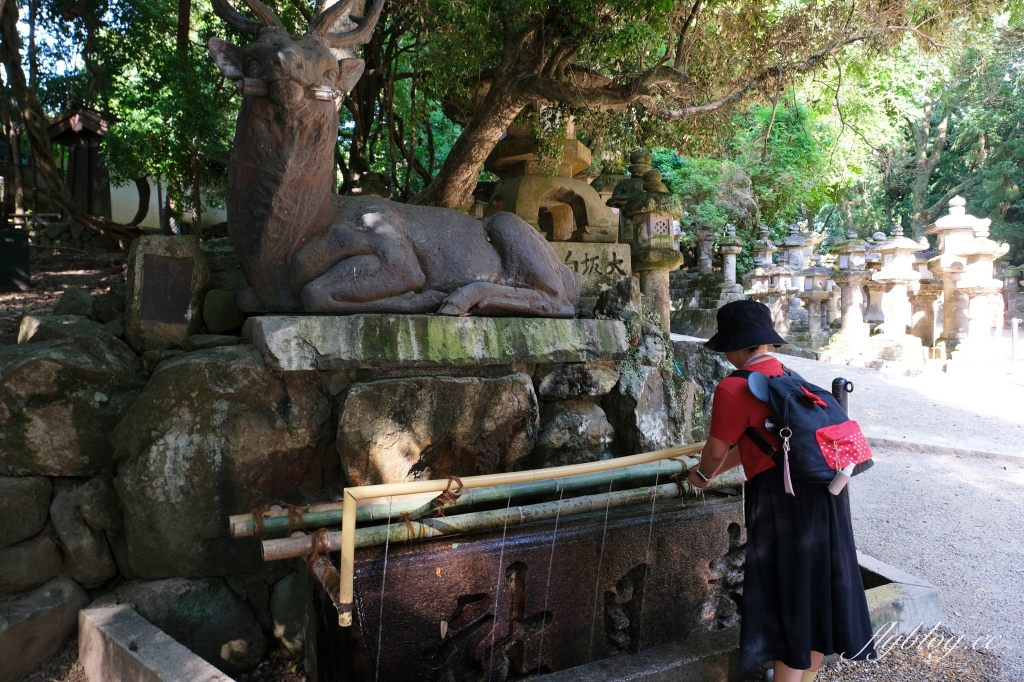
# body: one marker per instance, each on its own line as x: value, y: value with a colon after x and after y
x: 803, y: 597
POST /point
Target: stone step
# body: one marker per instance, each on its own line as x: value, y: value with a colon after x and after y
x: 705, y: 657
x: 699, y: 322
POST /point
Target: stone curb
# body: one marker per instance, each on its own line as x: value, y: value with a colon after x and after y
x: 917, y: 446
x: 115, y: 644
x: 906, y: 600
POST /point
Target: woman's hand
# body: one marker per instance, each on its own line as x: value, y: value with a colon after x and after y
x: 696, y: 481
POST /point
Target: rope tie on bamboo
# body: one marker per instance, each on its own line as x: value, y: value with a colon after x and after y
x: 318, y: 548
x: 294, y: 514
x: 257, y: 517
x: 409, y: 530
x: 450, y: 495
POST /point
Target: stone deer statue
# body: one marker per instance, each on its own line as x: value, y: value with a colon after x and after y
x: 303, y: 247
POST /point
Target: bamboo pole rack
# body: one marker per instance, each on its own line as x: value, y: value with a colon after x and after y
x: 351, y: 497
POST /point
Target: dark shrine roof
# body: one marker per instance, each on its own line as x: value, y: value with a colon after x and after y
x: 78, y: 125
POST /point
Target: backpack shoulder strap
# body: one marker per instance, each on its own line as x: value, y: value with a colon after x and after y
x: 758, y: 440
x: 740, y: 373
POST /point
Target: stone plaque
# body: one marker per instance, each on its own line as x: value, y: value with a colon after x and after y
x: 166, y: 289
x: 594, y: 263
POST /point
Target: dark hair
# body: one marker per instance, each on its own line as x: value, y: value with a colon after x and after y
x: 753, y: 349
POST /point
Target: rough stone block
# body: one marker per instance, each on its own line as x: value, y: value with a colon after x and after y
x: 35, y: 626
x: 288, y: 608
x: 24, y: 506
x: 575, y: 380
x: 86, y: 549
x: 220, y: 313
x: 597, y: 266
x: 98, y: 504
x: 571, y: 432
x: 115, y: 644
x: 225, y: 268
x: 204, y: 341
x: 111, y: 305
x: 36, y: 328
x: 167, y: 277
x: 203, y: 615
x: 391, y: 341
x: 74, y: 302
x: 59, y: 403
x: 214, y: 432
x: 432, y: 427
x: 28, y: 565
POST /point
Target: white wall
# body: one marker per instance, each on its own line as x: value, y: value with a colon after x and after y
x: 124, y: 202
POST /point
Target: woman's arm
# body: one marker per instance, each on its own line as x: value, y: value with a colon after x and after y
x: 712, y: 460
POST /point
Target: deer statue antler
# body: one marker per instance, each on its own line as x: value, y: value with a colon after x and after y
x: 235, y: 19
x: 326, y: 20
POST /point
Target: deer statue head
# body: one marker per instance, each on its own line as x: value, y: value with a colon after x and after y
x: 288, y: 69
x: 280, y: 190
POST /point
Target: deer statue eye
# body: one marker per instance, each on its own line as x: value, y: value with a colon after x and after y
x: 253, y: 67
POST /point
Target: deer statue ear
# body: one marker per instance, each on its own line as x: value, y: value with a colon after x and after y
x: 228, y: 57
x: 349, y: 73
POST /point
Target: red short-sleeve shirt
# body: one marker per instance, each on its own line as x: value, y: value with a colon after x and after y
x: 735, y: 408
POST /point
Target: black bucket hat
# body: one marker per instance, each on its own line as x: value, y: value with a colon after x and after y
x: 744, y: 324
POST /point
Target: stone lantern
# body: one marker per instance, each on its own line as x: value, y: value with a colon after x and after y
x: 780, y: 288
x: 954, y: 231
x: 851, y: 275
x: 980, y: 287
x: 814, y: 292
x: 651, y: 214
x: 813, y: 240
x: 764, y: 248
x: 627, y: 188
x: 705, y: 244
x: 731, y: 247
x: 874, y: 289
x: 896, y: 274
x: 1013, y: 299
x: 760, y: 281
x: 793, y: 249
x: 545, y: 193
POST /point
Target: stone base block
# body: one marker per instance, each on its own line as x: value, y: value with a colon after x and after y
x: 897, y: 601
x: 596, y: 265
x: 451, y: 599
x: 699, y: 322
x: 295, y: 343
x: 707, y: 657
x: 115, y: 644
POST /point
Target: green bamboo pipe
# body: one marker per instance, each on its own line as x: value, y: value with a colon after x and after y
x: 244, y: 525
x: 300, y: 545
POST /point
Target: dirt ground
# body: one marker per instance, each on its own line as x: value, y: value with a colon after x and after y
x: 53, y: 271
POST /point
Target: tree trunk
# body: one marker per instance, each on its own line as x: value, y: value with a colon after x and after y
x: 197, y: 196
x: 184, y: 22
x: 455, y: 182
x: 925, y: 162
x: 14, y: 152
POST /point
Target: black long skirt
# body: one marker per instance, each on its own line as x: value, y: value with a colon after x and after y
x: 802, y: 591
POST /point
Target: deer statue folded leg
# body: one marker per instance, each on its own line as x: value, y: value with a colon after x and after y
x: 304, y: 248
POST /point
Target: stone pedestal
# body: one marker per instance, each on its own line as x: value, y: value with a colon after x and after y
x: 874, y: 315
x: 596, y: 266
x: 731, y: 247
x: 851, y: 286
x: 705, y: 242
x: 924, y: 308
x: 832, y: 304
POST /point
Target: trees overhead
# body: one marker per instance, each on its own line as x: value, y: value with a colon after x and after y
x: 670, y: 61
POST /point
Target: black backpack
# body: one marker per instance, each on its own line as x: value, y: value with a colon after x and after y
x: 819, y: 439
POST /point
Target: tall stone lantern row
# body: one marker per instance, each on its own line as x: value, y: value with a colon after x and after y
x: 899, y: 277
x: 851, y: 275
x: 954, y: 231
x: 924, y: 303
x: 793, y: 249
x: 651, y: 213
x: 815, y: 292
x: 981, y: 289
x: 874, y: 289
x: 731, y: 247
x: 760, y: 276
